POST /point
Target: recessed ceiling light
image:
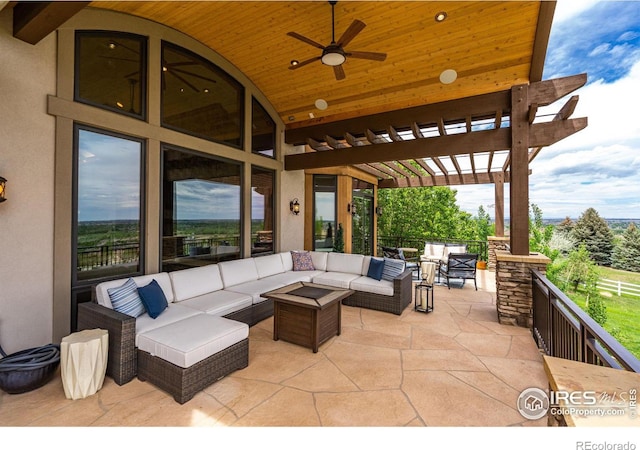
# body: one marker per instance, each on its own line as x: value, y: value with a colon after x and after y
x: 164, y: 69
x: 321, y: 104
x: 441, y: 16
x: 119, y: 105
x: 206, y: 91
x: 112, y: 45
x: 295, y: 62
x: 448, y: 76
x: 292, y: 118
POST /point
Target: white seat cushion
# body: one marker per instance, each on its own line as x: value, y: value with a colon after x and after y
x: 238, y: 271
x: 336, y: 279
x: 189, y: 341
x: 268, y: 265
x: 366, y: 284
x: 257, y: 287
x: 194, y: 282
x: 219, y: 303
x: 174, y: 313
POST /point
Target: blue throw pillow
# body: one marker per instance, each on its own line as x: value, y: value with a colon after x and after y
x: 125, y: 299
x: 375, y: 269
x: 392, y: 268
x: 153, y: 299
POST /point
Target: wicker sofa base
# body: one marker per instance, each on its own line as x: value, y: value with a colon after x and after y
x: 183, y: 383
x: 393, y: 304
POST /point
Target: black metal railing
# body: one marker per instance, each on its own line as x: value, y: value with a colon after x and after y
x: 479, y: 247
x: 562, y: 329
x: 94, y: 257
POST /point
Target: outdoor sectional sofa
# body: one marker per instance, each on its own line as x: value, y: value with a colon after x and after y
x: 202, y: 335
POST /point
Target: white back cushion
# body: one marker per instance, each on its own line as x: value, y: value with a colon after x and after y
x: 238, y: 271
x: 287, y: 261
x: 437, y: 250
x: 102, y: 296
x: 344, y: 262
x: 268, y: 265
x: 365, y: 265
x: 319, y: 260
x: 197, y: 281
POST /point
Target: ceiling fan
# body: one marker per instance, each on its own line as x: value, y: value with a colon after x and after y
x: 335, y: 54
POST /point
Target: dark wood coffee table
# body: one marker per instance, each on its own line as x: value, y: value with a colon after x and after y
x: 307, y: 314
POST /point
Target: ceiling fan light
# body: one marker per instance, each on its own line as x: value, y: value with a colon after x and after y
x: 333, y: 58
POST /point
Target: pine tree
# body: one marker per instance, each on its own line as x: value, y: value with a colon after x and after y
x: 565, y: 226
x: 626, y: 255
x: 594, y: 233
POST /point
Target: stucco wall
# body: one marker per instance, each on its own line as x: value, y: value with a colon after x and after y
x: 27, y: 138
x: 292, y: 186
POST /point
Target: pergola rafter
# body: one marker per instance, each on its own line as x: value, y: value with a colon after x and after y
x: 444, y: 139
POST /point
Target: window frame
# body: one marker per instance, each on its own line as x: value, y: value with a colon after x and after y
x: 144, y: 68
x: 77, y: 127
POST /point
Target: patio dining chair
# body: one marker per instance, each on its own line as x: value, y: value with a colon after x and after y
x: 462, y: 266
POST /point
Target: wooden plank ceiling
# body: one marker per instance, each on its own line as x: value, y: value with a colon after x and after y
x: 492, y: 46
x: 400, y: 101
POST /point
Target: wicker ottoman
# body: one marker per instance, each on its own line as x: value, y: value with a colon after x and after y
x: 185, y: 357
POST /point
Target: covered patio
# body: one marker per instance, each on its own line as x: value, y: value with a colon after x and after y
x: 456, y: 366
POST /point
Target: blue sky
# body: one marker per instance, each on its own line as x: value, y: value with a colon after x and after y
x: 599, y: 166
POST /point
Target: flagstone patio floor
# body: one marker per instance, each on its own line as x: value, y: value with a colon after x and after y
x: 456, y: 366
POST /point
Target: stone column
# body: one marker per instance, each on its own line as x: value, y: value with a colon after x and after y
x: 495, y: 243
x: 514, y: 297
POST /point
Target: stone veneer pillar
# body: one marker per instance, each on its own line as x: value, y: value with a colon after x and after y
x: 495, y: 243
x: 514, y: 297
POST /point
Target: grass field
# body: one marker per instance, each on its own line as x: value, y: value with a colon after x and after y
x: 623, y: 313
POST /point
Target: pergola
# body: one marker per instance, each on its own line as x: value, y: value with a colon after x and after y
x: 393, y: 119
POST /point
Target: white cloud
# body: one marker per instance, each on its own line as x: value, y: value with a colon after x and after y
x: 567, y: 9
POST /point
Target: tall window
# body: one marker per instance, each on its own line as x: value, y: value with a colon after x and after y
x: 111, y: 71
x: 263, y: 131
x: 201, y: 219
x: 199, y: 98
x: 324, y: 206
x: 262, y: 217
x: 362, y: 218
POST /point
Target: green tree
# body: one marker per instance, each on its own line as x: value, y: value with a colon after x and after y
x: 539, y: 234
x: 429, y: 212
x: 566, y: 226
x: 483, y: 224
x: 594, y: 233
x: 626, y: 254
x: 578, y: 272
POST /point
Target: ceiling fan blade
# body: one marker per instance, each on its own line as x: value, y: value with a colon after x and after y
x: 339, y: 72
x: 368, y: 55
x: 304, y: 63
x: 195, y: 75
x: 195, y: 89
x: 305, y: 39
x: 356, y: 27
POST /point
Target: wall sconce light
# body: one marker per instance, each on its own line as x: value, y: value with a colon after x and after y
x: 378, y: 210
x: 351, y: 208
x: 294, y: 206
x: 3, y: 183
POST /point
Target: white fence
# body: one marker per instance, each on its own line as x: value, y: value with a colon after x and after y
x: 619, y: 288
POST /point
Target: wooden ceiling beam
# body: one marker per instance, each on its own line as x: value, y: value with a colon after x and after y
x: 479, y: 141
x: 372, y: 171
x: 393, y: 134
x: 541, y: 135
x: 425, y: 166
x: 440, y: 180
x: 407, y: 164
x: 544, y: 93
x: 477, y: 106
x: 541, y: 40
x: 33, y: 21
